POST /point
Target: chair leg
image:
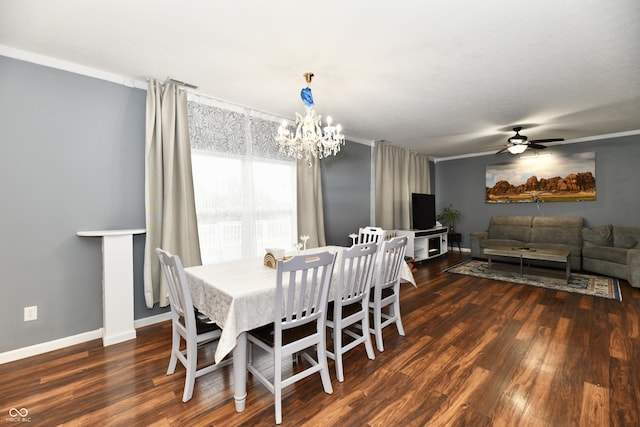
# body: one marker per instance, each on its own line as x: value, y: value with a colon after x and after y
x: 175, y: 348
x: 321, y: 351
x: 367, y: 338
x: 277, y: 386
x: 396, y: 313
x: 192, y: 365
x: 377, y: 326
x: 337, y: 354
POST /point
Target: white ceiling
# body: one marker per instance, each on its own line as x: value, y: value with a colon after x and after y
x: 443, y: 78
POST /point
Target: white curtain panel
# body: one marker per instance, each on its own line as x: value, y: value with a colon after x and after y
x: 418, y: 172
x: 310, y: 203
x: 398, y: 173
x: 169, y: 201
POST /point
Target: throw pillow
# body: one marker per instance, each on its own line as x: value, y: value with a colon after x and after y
x: 598, y: 236
x: 626, y: 242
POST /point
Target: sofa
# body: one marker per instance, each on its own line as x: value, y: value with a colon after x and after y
x: 608, y: 250
x: 534, y: 232
x: 612, y: 251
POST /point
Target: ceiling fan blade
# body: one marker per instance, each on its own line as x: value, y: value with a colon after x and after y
x: 537, y: 146
x: 502, y: 150
x: 547, y: 140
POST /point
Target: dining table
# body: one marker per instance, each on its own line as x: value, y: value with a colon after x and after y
x: 239, y: 296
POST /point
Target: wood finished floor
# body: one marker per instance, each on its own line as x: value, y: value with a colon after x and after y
x: 476, y: 353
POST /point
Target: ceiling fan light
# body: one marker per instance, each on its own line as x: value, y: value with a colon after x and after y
x: 517, y: 148
x: 518, y: 139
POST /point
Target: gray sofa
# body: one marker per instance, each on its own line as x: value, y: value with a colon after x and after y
x: 559, y: 233
x: 612, y: 251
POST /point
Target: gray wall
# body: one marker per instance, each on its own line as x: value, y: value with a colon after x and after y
x: 72, y: 159
x: 346, y: 191
x: 462, y: 182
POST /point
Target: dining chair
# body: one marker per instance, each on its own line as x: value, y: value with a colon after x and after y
x: 350, y: 313
x: 302, y: 289
x: 371, y: 234
x: 386, y: 288
x: 186, y: 323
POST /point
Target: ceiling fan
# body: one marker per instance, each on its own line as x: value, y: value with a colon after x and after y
x: 519, y: 143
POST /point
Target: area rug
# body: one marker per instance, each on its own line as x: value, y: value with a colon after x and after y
x: 586, y: 284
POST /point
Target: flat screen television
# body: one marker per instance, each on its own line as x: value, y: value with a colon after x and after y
x: 423, y: 211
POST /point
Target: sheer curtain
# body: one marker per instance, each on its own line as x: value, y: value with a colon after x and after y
x: 169, y: 200
x: 245, y: 188
x: 398, y: 173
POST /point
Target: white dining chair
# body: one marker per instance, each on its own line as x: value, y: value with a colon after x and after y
x: 299, y: 323
x: 350, y: 313
x: 386, y: 289
x: 186, y: 324
x: 371, y: 234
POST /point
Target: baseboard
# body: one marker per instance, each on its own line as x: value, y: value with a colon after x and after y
x: 151, y: 320
x: 34, y: 350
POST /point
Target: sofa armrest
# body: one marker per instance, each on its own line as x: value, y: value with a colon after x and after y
x: 633, y: 267
x: 476, y: 238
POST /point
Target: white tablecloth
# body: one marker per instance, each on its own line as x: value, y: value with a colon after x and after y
x: 239, y: 295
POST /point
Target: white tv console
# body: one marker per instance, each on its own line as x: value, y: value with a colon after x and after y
x: 425, y: 244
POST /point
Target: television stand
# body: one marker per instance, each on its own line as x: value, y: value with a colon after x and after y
x: 425, y: 244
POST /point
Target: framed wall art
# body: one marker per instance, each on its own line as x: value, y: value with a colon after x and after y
x: 543, y: 178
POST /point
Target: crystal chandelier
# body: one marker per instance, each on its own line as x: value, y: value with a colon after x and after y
x: 310, y: 139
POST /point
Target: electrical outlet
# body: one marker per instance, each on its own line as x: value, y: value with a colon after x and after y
x: 30, y: 313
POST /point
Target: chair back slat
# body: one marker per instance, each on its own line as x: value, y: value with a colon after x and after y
x: 392, y: 256
x: 179, y: 297
x: 355, y: 273
x: 302, y: 289
x: 371, y: 235
x: 178, y: 289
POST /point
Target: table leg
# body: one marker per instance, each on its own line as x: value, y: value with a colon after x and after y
x: 568, y: 275
x: 240, y: 371
x: 521, y: 273
x: 489, y: 263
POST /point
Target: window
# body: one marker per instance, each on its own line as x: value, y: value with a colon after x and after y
x: 245, y: 192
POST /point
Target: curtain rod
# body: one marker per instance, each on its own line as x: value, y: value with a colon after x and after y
x: 180, y: 83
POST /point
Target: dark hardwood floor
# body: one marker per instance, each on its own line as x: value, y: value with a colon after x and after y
x: 476, y: 353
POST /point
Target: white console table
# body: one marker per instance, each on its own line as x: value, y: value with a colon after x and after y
x: 425, y: 244
x: 117, y: 283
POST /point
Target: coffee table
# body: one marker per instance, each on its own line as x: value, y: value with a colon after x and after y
x: 529, y: 254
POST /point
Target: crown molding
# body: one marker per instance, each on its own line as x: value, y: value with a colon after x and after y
x: 569, y: 141
x: 71, y: 67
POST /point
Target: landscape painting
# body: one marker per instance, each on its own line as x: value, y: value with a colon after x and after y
x: 543, y: 178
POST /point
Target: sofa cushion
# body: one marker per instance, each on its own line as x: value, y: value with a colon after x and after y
x: 606, y: 253
x: 626, y: 242
x: 626, y: 237
x: 598, y: 236
x: 565, y: 230
x: 510, y: 228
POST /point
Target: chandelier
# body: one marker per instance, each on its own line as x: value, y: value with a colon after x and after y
x: 310, y: 139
